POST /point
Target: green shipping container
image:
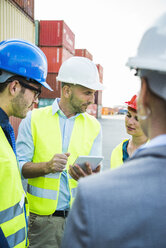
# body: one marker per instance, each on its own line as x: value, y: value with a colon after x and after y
x: 36, y: 32
x: 43, y: 102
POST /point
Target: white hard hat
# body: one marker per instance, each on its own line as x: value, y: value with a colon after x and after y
x: 80, y: 70
x: 151, y: 54
x: 151, y: 57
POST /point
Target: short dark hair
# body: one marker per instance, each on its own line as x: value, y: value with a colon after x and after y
x: 63, y: 84
x: 8, y: 81
x: 3, y: 86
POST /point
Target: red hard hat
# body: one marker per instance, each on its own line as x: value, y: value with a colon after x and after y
x: 133, y: 102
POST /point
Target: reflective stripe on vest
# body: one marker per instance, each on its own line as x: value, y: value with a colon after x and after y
x: 46, y: 193
x: 117, y: 155
x: 11, y: 212
x: 48, y: 142
x: 16, y: 238
x: 12, y: 215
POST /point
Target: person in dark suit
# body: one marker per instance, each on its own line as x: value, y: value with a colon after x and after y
x: 126, y: 207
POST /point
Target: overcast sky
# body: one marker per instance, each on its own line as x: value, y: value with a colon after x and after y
x: 111, y: 31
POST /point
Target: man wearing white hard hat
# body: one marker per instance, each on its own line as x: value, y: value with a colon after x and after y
x: 49, y: 141
x: 125, y: 207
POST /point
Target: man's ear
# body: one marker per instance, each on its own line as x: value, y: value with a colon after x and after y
x: 67, y: 91
x: 14, y: 87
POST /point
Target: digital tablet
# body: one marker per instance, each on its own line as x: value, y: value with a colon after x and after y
x: 94, y: 161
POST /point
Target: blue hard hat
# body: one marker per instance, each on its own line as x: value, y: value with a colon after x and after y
x: 23, y: 58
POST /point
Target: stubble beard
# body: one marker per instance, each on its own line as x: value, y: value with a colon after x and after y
x: 19, y: 107
x: 76, y: 108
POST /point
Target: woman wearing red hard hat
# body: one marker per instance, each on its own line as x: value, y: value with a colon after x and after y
x: 126, y: 148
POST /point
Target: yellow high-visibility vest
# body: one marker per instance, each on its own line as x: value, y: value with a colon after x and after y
x: 12, y: 197
x: 117, y: 155
x: 43, y: 191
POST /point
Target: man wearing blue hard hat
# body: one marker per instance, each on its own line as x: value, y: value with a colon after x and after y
x: 23, y: 70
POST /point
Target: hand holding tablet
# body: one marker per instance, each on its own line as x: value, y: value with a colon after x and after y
x: 94, y: 161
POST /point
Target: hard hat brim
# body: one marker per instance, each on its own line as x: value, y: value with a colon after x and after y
x: 45, y: 84
x: 147, y: 64
x: 5, y: 75
x: 95, y: 86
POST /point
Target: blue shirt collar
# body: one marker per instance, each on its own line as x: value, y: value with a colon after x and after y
x: 4, y: 119
x: 56, y: 109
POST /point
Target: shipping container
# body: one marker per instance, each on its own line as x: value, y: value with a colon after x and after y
x: 107, y: 111
x: 83, y: 53
x: 98, y: 97
x: 36, y: 32
x: 55, y: 57
x: 29, y: 7
x: 25, y: 5
x: 20, y: 3
x: 14, y: 23
x: 92, y: 110
x: 54, y: 84
x: 100, y: 70
x: 56, y: 33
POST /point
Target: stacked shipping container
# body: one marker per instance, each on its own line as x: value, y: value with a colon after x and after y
x: 17, y: 21
x: 83, y: 53
x: 56, y: 34
x: 25, y: 5
x: 57, y: 41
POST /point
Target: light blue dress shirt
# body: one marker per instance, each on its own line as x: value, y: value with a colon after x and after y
x: 25, y: 147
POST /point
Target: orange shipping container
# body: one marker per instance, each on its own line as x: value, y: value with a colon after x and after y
x: 56, y: 33
x: 83, y: 53
x: 51, y: 80
x: 55, y: 57
x: 100, y: 70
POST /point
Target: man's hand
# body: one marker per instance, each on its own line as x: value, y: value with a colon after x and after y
x: 57, y: 163
x: 76, y: 172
